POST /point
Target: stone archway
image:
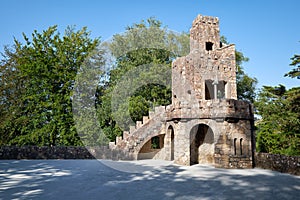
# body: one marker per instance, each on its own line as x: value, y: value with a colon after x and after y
x: 154, y: 148
x: 201, y: 145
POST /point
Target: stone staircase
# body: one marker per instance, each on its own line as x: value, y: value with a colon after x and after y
x: 134, y: 139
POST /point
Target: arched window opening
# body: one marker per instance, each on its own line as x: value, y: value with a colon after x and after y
x: 234, y: 145
x: 241, y: 146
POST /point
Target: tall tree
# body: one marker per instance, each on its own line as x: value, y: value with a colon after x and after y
x: 279, y: 126
x: 295, y: 73
x: 144, y: 52
x: 37, y: 106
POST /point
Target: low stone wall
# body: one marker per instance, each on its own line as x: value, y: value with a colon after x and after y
x: 35, y: 152
x: 276, y: 162
x: 58, y: 152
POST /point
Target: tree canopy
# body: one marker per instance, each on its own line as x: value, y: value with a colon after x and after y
x: 279, y: 108
x: 36, y: 83
x: 279, y: 126
x: 141, y: 78
x: 295, y: 72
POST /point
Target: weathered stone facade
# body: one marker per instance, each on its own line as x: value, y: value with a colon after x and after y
x: 205, y: 123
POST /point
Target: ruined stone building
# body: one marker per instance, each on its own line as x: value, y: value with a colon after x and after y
x: 205, y: 122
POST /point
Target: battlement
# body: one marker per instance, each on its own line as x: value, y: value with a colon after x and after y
x: 206, y: 20
x: 205, y: 34
x: 226, y: 109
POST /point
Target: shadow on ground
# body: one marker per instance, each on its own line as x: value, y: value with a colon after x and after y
x: 92, y: 179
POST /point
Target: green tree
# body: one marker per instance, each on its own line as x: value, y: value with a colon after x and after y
x: 11, y: 91
x: 279, y: 108
x: 37, y: 106
x: 279, y: 126
x: 295, y: 73
x: 145, y: 45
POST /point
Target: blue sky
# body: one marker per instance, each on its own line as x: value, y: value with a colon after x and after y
x: 266, y: 31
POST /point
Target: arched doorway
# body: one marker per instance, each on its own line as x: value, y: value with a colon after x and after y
x: 171, y: 136
x: 153, y: 148
x: 201, y: 145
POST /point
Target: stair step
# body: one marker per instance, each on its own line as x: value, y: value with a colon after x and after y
x: 118, y: 139
x: 139, y: 124
x: 159, y: 109
x: 112, y: 145
x: 145, y: 119
x: 151, y: 114
x: 125, y: 134
x: 132, y: 129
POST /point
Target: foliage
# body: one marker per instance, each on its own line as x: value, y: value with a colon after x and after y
x: 295, y: 73
x: 279, y: 128
x: 279, y: 108
x: 141, y: 78
x: 36, y: 83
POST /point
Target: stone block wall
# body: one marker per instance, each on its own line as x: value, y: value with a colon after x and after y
x: 280, y: 163
x: 35, y: 152
x: 61, y: 152
x: 240, y: 162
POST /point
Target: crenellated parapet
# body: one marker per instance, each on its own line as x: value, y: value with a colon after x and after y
x: 205, y: 28
x: 230, y: 110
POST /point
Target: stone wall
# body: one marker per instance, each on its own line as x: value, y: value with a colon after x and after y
x: 240, y: 162
x: 35, y: 152
x: 60, y: 152
x: 276, y: 162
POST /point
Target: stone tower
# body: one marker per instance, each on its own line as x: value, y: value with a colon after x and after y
x: 210, y: 125
x: 205, y: 122
x: 209, y: 66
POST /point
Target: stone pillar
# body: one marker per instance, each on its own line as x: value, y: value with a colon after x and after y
x: 215, y: 84
x: 182, y: 144
x: 167, y: 145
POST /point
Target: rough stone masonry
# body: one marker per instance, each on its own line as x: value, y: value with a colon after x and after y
x: 205, y: 122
